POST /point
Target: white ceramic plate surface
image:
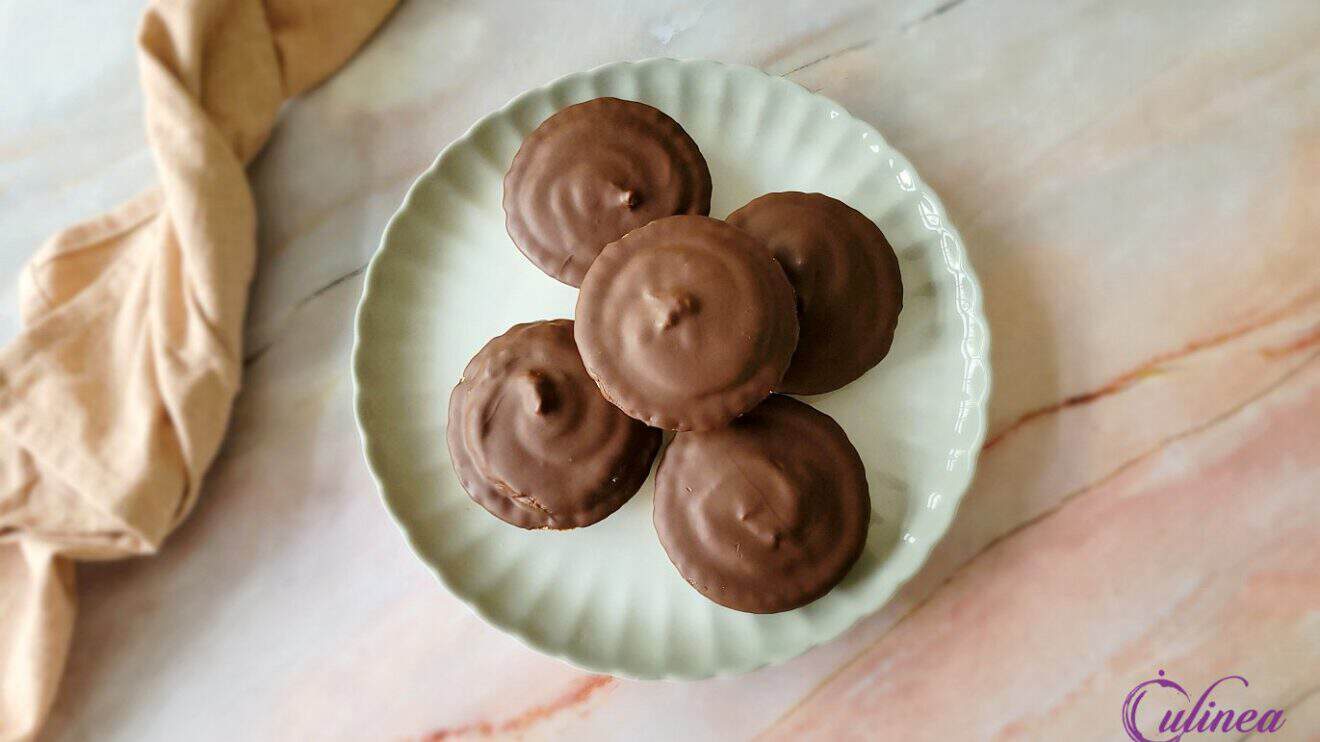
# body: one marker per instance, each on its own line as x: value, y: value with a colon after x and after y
x: 447, y: 279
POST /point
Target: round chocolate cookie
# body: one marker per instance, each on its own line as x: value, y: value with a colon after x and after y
x: 686, y: 323
x: 848, y: 286
x: 593, y: 172
x: 533, y: 441
x: 767, y: 514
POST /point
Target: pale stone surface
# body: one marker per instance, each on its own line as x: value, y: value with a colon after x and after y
x: 1138, y: 185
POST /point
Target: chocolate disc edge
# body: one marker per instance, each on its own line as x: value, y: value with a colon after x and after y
x: 887, y: 263
x: 719, y: 415
x: 498, y: 501
x: 751, y: 600
x: 513, y: 224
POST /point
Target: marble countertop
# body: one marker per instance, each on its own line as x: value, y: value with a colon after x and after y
x: 1138, y: 185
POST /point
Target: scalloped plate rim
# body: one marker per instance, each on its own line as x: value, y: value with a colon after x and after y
x: 973, y: 316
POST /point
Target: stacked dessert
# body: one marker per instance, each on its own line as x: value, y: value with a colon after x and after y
x: 689, y: 324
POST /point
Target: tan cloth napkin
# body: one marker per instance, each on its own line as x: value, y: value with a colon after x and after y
x: 115, y: 396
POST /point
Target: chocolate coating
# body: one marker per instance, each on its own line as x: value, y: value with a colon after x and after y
x: 848, y: 285
x: 593, y: 172
x: 532, y: 439
x: 767, y: 514
x: 686, y: 323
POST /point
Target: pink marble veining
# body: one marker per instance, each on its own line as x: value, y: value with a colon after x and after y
x: 1200, y: 560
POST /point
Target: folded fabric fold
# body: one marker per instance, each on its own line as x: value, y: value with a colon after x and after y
x: 115, y: 396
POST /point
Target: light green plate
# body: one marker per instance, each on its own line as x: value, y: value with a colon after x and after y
x: 447, y: 279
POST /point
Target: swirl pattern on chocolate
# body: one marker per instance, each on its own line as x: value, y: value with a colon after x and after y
x: 848, y: 284
x: 767, y: 514
x: 686, y: 323
x: 593, y: 172
x: 532, y: 439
